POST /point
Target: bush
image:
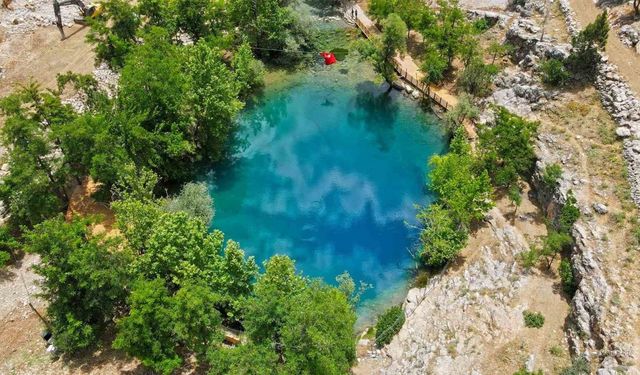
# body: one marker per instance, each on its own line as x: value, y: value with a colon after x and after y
x: 579, y: 366
x: 530, y: 257
x: 569, y: 214
x: 569, y: 284
x: 554, y: 73
x: 533, y: 319
x: 524, y: 371
x: 477, y: 77
x: 550, y: 175
x: 389, y: 323
x: 195, y: 201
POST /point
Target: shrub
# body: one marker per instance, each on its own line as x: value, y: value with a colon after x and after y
x: 554, y: 73
x: 195, y: 201
x: 569, y: 214
x: 524, y: 371
x: 556, y: 351
x: 477, y: 77
x: 579, y: 366
x: 551, y: 175
x: 530, y: 257
x: 389, y: 323
x: 566, y: 277
x: 434, y: 67
x: 533, y: 319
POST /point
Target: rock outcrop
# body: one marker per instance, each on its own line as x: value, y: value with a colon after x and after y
x: 461, y: 311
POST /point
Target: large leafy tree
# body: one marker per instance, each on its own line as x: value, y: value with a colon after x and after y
x: 507, y: 148
x: 392, y: 41
x: 585, y: 57
x: 114, y: 32
x: 194, y: 199
x: 441, y: 238
x: 36, y: 187
x: 85, y: 279
x: 318, y: 332
x: 147, y: 333
x: 463, y: 188
x: 308, y: 324
x: 200, y: 18
x: 446, y: 30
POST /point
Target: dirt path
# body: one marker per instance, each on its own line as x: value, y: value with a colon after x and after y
x: 627, y: 61
x: 42, y: 55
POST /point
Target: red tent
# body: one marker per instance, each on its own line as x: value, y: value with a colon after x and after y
x: 329, y: 58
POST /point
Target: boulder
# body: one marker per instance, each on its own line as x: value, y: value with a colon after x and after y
x: 623, y: 132
x: 600, y: 208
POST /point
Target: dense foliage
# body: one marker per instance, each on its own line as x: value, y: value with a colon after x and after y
x: 85, y: 282
x: 464, y: 181
x: 389, y: 323
x: 533, y: 319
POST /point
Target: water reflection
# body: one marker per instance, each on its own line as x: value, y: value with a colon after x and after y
x: 329, y: 174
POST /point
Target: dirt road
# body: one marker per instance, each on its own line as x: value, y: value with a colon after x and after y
x: 42, y: 55
x: 625, y: 58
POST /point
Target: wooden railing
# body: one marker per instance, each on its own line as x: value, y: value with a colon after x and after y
x: 412, y: 78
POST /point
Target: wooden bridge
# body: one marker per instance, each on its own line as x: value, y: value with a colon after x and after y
x: 405, y: 66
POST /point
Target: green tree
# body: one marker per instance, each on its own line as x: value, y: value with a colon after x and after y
x: 135, y: 183
x: 551, y: 175
x: 268, y: 309
x: 36, y: 186
x: 249, y: 71
x: 270, y: 27
x: 136, y: 221
x: 85, y: 280
x: 194, y: 199
x: 8, y: 245
x: 177, y: 250
x: 441, y: 237
x: 381, y: 9
x: 553, y: 245
x: 200, y: 18
x: 569, y: 283
x: 214, y: 101
x: 317, y: 335
x: 389, y: 323
x: 393, y: 40
x: 569, y: 213
x: 465, y: 192
x: 446, y: 30
x: 409, y: 11
x: 247, y: 359
x: 515, y: 196
x: 233, y: 276
x: 507, y: 148
x: 464, y: 110
x: 147, y: 333
x: 498, y: 50
x: 477, y: 77
x: 197, y: 321
x: 434, y: 66
x: 348, y: 287
x: 114, y: 33
x: 554, y: 72
x: 584, y: 58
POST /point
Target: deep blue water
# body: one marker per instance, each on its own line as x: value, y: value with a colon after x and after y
x: 329, y: 174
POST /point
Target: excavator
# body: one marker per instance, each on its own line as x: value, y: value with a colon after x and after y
x: 91, y: 11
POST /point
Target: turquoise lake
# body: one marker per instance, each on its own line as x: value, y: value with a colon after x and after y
x: 329, y: 173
